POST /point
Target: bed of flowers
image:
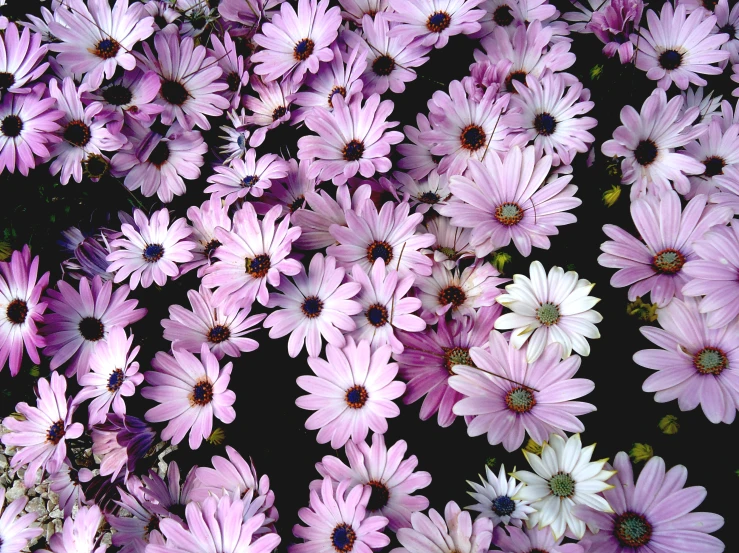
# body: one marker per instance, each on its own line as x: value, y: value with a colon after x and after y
x: 287, y: 276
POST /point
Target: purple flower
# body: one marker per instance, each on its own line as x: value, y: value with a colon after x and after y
x: 614, y: 25
x: 494, y: 499
x: 168, y: 497
x: 432, y: 22
x: 517, y: 540
x: 417, y: 158
x: 510, y: 15
x: 19, y: 60
x: 234, y: 73
x: 41, y: 437
x: 79, y: 533
x: 355, y: 10
x: 130, y: 95
x: 244, y: 177
x: 204, y: 220
x: 718, y: 151
x: 121, y: 441
x: 270, y: 108
x: 289, y: 192
x: 132, y: 533
x: 425, y: 195
x: 66, y: 483
x: 16, y: 531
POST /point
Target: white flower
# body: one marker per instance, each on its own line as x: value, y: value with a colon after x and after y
x: 495, y: 499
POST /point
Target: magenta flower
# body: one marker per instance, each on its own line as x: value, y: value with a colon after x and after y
x: 296, y: 42
x: 655, y: 514
x: 713, y: 274
x: 351, y: 139
x: 314, y: 305
x: 168, y: 496
x: 190, y: 391
x: 41, y: 436
x: 149, y: 253
x: 223, y: 329
x: 233, y: 65
x: 78, y: 321
x: 337, y: 521
x: 16, y: 531
x: 391, y: 477
x: 614, y: 25
x: 79, y: 533
x: 131, y: 95
x: 654, y: 264
x: 121, y: 441
x: 433, y: 22
x: 270, y: 108
x: 204, y: 220
x: 20, y: 55
x: 253, y: 254
x: 243, y: 177
x: 517, y: 540
x: 20, y: 294
x: 352, y: 393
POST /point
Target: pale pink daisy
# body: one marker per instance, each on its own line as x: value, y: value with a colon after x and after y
x: 16, y: 531
x: 167, y: 496
x: 131, y: 95
x: 495, y: 499
x: 452, y: 242
x: 79, y: 533
x: 247, y: 176
x: 614, y: 25
x: 270, y: 107
x: 352, y: 393
x: 132, y: 533
x: 417, y: 159
x: 355, y: 10
x: 289, y: 192
x: 190, y: 392
x: 427, y: 194
x: 204, y: 220
x: 512, y: 14
x: 19, y: 61
x: 717, y: 150
x: 233, y: 65
x: 432, y: 22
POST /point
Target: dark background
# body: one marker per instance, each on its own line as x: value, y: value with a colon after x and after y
x: 269, y: 427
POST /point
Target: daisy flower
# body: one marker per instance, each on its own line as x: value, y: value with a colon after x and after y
x: 463, y: 129
x: 676, y: 48
x: 647, y: 142
x: 121, y: 442
x: 315, y: 305
x: 237, y: 137
x: 390, y: 476
x: 79, y: 320
x: 511, y: 14
x: 717, y: 150
x: 563, y: 477
x: 549, y: 308
x: 234, y: 73
x: 289, y: 192
x: 79, y: 533
x: 355, y: 10
x: 389, y: 234
x: 655, y: 514
x: 452, y: 533
x: 494, y: 499
x: 190, y: 80
x: 655, y: 263
x: 452, y: 242
x: 168, y: 496
x: 113, y: 375
x: 427, y: 194
x: 614, y: 24
x: 253, y: 254
x: 351, y: 139
x: 337, y: 521
x: 727, y: 22
x: 510, y: 397
x: 204, y: 220
x: 714, y: 273
x: 134, y: 532
x: 16, y: 531
x: 417, y: 159
x: 19, y: 60
x: 132, y: 94
x: 190, y: 391
x: 245, y: 176
x: 149, y: 252
x: 95, y: 39
x: 352, y: 392
x: 432, y: 22
x: 20, y: 294
x: 708, y: 104
x: 526, y: 540
x: 270, y: 107
x: 385, y: 306
x: 296, y: 42
x: 509, y: 200
x: 41, y: 437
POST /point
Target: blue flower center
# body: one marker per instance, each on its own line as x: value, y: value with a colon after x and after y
x: 218, y: 334
x: 377, y: 315
x: 312, y: 307
x: 714, y: 166
x: 153, y: 253
x: 356, y: 397
x: 303, y: 49
x: 473, y: 137
x: 55, y: 432
x: 503, y: 506
x: 249, y: 181
x: 545, y: 124
x: 259, y: 266
x: 353, y: 150
x: 115, y: 380
x: 379, y: 250
x: 343, y: 538
x: 202, y: 393
x: 438, y: 21
x: 670, y: 59
x: 107, y: 48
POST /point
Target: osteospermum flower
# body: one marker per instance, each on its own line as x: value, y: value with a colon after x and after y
x: 549, y: 308
x: 270, y: 108
x: 168, y: 496
x: 236, y: 140
x: 432, y: 22
x: 510, y: 200
x: 718, y: 151
x: 494, y: 499
x: 614, y: 24
x: 337, y: 521
x: 390, y: 476
x: 41, y: 437
x: 19, y: 61
x: 563, y: 477
x: 526, y: 540
x: 113, y: 375
x: 20, y: 295
x: 204, y: 220
x: 294, y: 42
x: 120, y: 443
x: 134, y: 532
x: 132, y: 95
x: 510, y: 397
x: 452, y: 533
x: 253, y: 254
x: 714, y: 273
x: 647, y: 142
x: 417, y: 159
x: 655, y: 514
x: 234, y: 72
x: 352, y: 392
x: 452, y: 242
x: 655, y: 263
x: 427, y: 194
x: 247, y: 176
x: 16, y: 531
x: 351, y: 139
x: 79, y: 533
x: 190, y: 392
x: 355, y: 10
x: 314, y: 305
x: 676, y: 48
x: 79, y: 320
x: 290, y: 191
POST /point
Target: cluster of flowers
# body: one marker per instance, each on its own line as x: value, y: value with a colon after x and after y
x: 402, y: 269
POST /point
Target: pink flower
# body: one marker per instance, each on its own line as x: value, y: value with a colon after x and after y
x: 130, y: 95
x: 417, y: 158
x: 204, y: 220
x: 234, y: 74
x: 512, y: 15
x: 245, y: 176
x: 355, y: 10
x: 190, y: 391
x: 433, y: 22
x: 270, y: 108
x: 614, y: 26
x: 352, y: 393
x: 41, y: 437
x: 16, y: 531
x: 19, y: 61
x: 79, y: 533
x: 517, y: 540
x: 121, y: 441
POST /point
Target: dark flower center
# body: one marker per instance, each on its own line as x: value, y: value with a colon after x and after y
x: 670, y: 59
x: 279, y: 112
x: 161, y: 22
x: 117, y: 95
x: 6, y: 80
x: 378, y: 497
x: 107, y: 48
x: 11, y: 126
x: 77, y: 133
x: 520, y: 400
x: 335, y: 90
x: 259, y: 266
x: 503, y: 506
x: 547, y: 314
x: 710, y: 5
x: 714, y: 166
x: 509, y: 214
x: 153, y: 253
x: 503, y: 16
x: 249, y: 181
x: 17, y: 311
x: 473, y: 137
x: 198, y: 20
x: 303, y: 49
x: 519, y: 76
x: 115, y: 380
x: 632, y: 530
x: 343, y: 538
x: 353, y: 150
x: 383, y: 65
x: 646, y: 152
x: 545, y: 124
x: 377, y: 315
x: 668, y: 262
x: 429, y: 198
x: 438, y: 21
x: 452, y: 294
x: 312, y: 307
x: 202, y: 393
x: 562, y: 485
x: 218, y: 334
x: 379, y: 250
x: 174, y: 93
x: 96, y: 166
x: 356, y: 397
x: 728, y: 29
x: 234, y: 81
x: 210, y: 247
x: 160, y: 154
x: 710, y: 361
x: 55, y: 432
x: 457, y: 356
x: 297, y: 204
x: 92, y: 329
x: 619, y: 38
